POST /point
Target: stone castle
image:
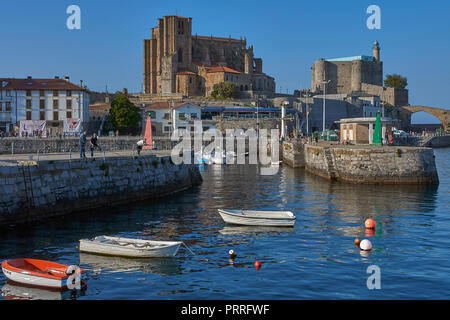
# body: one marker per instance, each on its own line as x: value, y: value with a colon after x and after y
x: 177, y: 63
x: 357, y: 74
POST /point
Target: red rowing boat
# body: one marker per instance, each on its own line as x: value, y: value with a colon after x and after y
x: 39, y: 273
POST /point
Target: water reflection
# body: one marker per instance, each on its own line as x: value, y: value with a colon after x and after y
x: 15, y: 291
x: 99, y: 264
x: 253, y: 230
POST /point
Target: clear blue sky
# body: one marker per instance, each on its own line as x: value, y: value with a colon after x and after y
x: 288, y: 35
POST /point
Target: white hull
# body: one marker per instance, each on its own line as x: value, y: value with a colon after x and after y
x: 126, y: 247
x: 256, y: 219
x: 29, y: 279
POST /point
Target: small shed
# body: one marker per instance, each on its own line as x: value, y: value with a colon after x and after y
x: 360, y: 130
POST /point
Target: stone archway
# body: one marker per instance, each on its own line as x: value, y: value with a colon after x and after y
x: 405, y: 113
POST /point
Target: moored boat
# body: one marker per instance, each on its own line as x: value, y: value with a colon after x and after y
x: 258, y: 217
x: 36, y: 272
x: 128, y: 247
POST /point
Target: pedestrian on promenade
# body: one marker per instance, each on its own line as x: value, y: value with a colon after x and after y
x: 83, y: 145
x: 140, y: 144
x: 94, y: 144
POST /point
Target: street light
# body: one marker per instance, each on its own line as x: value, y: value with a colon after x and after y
x: 308, y: 110
x: 283, y: 115
x: 324, y: 99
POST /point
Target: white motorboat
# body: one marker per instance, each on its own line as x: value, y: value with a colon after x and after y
x: 127, y: 247
x: 258, y: 218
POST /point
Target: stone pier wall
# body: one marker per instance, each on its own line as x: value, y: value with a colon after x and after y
x: 54, y: 188
x: 372, y: 164
x: 293, y: 154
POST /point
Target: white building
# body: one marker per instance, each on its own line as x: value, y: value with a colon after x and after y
x: 53, y: 100
x: 167, y: 116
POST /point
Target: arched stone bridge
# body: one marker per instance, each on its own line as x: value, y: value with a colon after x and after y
x: 443, y: 115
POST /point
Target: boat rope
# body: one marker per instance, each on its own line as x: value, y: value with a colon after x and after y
x: 188, y: 248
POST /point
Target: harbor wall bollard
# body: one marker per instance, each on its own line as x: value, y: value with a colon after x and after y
x: 97, y: 184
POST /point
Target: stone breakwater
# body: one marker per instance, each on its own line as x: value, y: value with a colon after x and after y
x: 372, y: 164
x: 55, y: 188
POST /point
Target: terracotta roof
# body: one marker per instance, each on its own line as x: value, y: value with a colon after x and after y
x: 99, y: 106
x: 164, y: 105
x: 37, y: 84
x: 216, y: 38
x: 186, y: 72
x: 221, y: 69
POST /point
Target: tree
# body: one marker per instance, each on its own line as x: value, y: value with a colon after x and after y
x: 123, y: 113
x: 225, y: 90
x: 395, y: 81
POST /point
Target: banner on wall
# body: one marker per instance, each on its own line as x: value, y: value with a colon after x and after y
x: 72, y: 127
x: 33, y: 128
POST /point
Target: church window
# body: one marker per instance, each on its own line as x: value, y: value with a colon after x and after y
x: 180, y: 55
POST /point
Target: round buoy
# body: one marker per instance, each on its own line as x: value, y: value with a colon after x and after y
x: 257, y: 265
x: 357, y: 242
x: 370, y: 223
x: 365, y: 245
x: 232, y: 254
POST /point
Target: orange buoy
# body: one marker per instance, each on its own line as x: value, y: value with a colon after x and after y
x: 257, y: 265
x: 370, y: 223
x: 357, y: 242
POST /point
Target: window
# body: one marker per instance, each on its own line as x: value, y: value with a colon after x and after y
x: 69, y: 104
x: 42, y: 93
x: 180, y: 55
x: 28, y: 104
x: 42, y: 115
x: 181, y: 116
x: 55, y: 104
x: 55, y: 115
x: 28, y: 93
x: 42, y: 104
x: 194, y: 116
x: 68, y: 93
x: 8, y: 106
x: 166, y: 116
x: 190, y: 80
x: 55, y: 93
x: 166, y: 129
x: 152, y: 114
x: 8, y: 93
x: 28, y: 115
x: 69, y: 115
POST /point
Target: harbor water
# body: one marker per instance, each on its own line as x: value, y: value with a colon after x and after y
x: 316, y: 259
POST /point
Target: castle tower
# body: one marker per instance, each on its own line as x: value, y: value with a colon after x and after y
x: 376, y: 51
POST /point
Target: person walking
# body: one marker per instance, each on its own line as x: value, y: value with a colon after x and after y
x: 94, y: 144
x: 140, y: 144
x: 83, y: 145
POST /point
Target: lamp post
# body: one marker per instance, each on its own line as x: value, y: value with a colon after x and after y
x: 324, y: 101
x: 283, y: 115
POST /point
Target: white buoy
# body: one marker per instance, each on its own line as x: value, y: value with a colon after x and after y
x: 232, y: 254
x: 365, y: 245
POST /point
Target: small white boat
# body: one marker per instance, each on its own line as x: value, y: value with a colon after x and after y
x: 127, y: 247
x: 258, y: 218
